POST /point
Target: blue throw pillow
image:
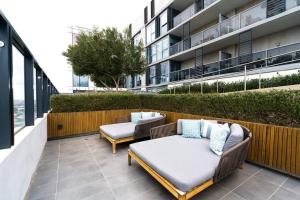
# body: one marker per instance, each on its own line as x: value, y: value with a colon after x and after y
x: 218, y: 138
x: 135, y: 117
x: 190, y: 128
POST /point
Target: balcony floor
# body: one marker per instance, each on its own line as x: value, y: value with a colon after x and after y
x: 84, y: 168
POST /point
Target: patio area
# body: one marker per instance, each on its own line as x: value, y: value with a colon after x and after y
x: 84, y: 168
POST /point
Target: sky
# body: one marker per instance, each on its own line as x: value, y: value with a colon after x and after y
x: 44, y: 26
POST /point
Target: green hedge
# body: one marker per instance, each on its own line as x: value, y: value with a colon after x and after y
x: 238, y: 86
x: 275, y: 107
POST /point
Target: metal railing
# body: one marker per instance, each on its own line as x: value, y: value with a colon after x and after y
x: 219, y: 70
x: 250, y: 16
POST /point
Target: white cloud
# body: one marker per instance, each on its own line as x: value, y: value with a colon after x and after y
x: 44, y: 27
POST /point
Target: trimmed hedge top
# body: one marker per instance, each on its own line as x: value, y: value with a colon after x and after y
x: 275, y: 107
x: 223, y: 87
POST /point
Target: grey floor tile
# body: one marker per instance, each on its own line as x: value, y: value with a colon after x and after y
x: 256, y: 189
x: 250, y: 169
x: 88, y: 170
x: 79, y: 180
x: 271, y: 176
x: 283, y: 194
x: 43, y: 179
x: 39, y: 192
x: 101, y: 195
x: 71, y: 172
x: 212, y: 193
x: 155, y: 194
x: 135, y: 189
x: 234, y: 180
x: 232, y: 196
x: 45, y: 197
x: 84, y: 191
x: 292, y: 184
x: 125, y: 178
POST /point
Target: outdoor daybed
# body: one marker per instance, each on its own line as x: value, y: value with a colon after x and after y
x: 125, y: 129
x: 186, y: 166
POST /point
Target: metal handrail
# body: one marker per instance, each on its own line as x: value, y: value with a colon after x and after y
x: 218, y: 25
x: 241, y: 65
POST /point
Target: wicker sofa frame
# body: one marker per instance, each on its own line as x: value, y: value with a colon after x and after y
x: 141, y: 131
x: 229, y: 161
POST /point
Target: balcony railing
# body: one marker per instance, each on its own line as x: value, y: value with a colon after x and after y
x: 236, y: 22
x: 269, y: 58
x: 189, y: 12
x: 176, y: 48
x: 184, y: 15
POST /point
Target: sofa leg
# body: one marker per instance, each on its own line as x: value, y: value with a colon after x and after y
x: 100, y: 136
x: 241, y: 166
x: 129, y: 159
x: 113, y: 147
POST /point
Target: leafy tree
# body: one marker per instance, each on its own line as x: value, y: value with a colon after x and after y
x: 107, y: 56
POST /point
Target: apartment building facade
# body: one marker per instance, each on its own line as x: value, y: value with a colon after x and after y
x: 205, y: 40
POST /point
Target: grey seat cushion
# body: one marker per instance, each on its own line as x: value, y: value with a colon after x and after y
x: 236, y: 136
x: 120, y: 130
x: 185, y: 162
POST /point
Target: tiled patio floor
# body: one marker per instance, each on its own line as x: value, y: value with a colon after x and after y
x: 84, y: 168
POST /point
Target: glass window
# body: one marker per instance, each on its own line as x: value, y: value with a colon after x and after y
x: 137, y: 39
x: 164, y: 70
x: 18, y: 89
x: 150, y: 32
x: 152, y: 75
x: 153, y: 52
x: 80, y: 81
x: 159, y: 50
x: 34, y: 93
x: 164, y: 23
x: 165, y: 48
x: 84, y: 81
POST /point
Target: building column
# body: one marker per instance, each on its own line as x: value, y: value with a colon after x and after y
x: 29, y: 96
x: 6, y: 100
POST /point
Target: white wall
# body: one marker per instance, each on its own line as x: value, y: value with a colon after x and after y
x: 18, y: 163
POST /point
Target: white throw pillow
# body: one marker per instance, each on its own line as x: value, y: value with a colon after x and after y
x: 218, y: 138
x: 157, y: 114
x: 147, y: 115
x: 207, y: 127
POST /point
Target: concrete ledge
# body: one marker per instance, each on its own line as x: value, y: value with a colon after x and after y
x: 18, y: 163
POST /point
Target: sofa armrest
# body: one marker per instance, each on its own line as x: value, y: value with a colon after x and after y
x: 163, y: 131
x: 122, y: 119
x: 232, y: 159
x: 143, y: 130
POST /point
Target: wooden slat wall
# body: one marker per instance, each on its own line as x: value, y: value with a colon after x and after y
x: 77, y: 123
x: 276, y: 147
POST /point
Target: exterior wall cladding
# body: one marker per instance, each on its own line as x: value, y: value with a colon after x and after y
x: 226, y: 34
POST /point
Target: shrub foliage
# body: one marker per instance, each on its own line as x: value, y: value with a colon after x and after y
x: 275, y: 107
x: 238, y: 86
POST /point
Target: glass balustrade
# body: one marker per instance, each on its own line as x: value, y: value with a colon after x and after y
x: 211, y: 33
x: 208, y: 2
x: 229, y: 25
x: 176, y: 48
x: 196, y: 39
x: 184, y: 15
x: 253, y: 14
x: 269, y: 58
x: 292, y: 4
